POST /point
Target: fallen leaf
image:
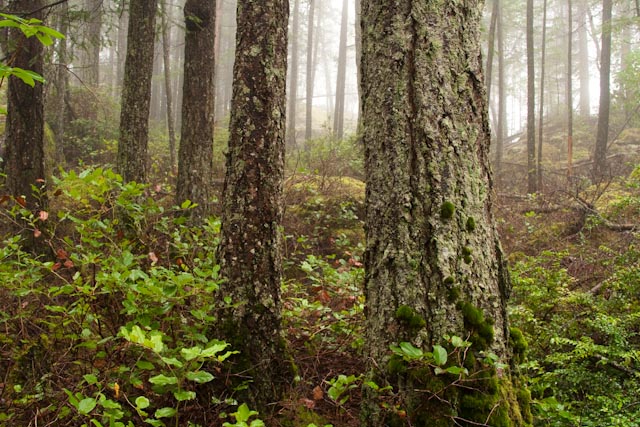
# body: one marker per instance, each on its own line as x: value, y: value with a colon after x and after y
x: 310, y: 404
x: 153, y: 257
x: 68, y: 263
x: 37, y: 233
x: 318, y: 394
x: 62, y: 254
x: 43, y: 215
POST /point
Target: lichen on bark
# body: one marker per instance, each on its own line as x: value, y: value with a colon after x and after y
x: 426, y: 139
x: 250, y: 241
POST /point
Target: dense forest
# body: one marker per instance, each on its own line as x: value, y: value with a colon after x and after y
x: 308, y: 213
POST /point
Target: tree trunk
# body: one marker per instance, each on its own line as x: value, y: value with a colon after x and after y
x: 502, y: 98
x: 293, y: 79
x: 433, y: 261
x: 495, y: 11
x: 136, y: 92
x: 569, y: 90
x: 541, y: 108
x: 121, y: 48
x: 308, y: 132
x: 338, y: 117
x: 531, y: 105
x: 24, y: 135
x: 195, y: 158
x: 583, y: 60
x: 166, y: 55
x: 252, y: 201
x: 602, y: 137
x: 358, y: 45
x: 93, y: 43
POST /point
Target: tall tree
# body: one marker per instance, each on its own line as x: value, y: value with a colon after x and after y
x: 92, y: 42
x: 569, y: 89
x: 495, y: 11
x: 433, y: 261
x: 293, y: 78
x: 338, y: 114
x: 308, y: 132
x: 195, y: 158
x: 502, y: 97
x: 602, y: 136
x: 541, y: 106
x: 166, y: 56
x: 25, y: 159
x: 583, y: 60
x: 252, y: 209
x: 136, y: 91
x: 531, y: 104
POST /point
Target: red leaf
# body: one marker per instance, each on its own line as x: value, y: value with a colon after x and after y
x: 21, y: 201
x: 43, y: 215
x: 56, y: 266
x: 68, y: 263
x: 62, y: 254
x: 37, y: 233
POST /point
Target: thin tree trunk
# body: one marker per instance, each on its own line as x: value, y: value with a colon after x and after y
x: 166, y: 54
x: 600, y: 169
x: 136, y: 92
x: 569, y: 90
x: 358, y: 21
x: 308, y: 132
x: 502, y: 99
x: 491, y: 48
x: 541, y: 109
x: 293, y: 79
x: 338, y: 117
x: 252, y: 203
x: 531, y: 104
x: 195, y: 157
x: 583, y: 68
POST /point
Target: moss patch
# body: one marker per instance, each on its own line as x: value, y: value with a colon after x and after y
x: 447, y: 210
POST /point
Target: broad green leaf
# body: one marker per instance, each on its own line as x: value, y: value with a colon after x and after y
x: 214, y: 349
x: 200, y: 377
x: 163, y: 380
x: 244, y: 413
x: 87, y: 405
x: 90, y: 379
x: 165, y: 412
x: 145, y: 365
x: 439, y: 355
x: 191, y: 353
x: 142, y: 402
x: 410, y: 351
x: 457, y: 342
x: 172, y: 361
x: 457, y: 370
x: 182, y: 395
x: 256, y: 423
x: 154, y: 422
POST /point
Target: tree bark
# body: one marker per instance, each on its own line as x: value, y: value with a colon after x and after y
x: 338, y: 117
x: 136, y: 92
x: 495, y: 11
x: 532, y: 186
x: 252, y: 201
x: 541, y: 107
x: 92, y: 43
x: 433, y: 261
x: 502, y: 99
x: 602, y: 137
x: 166, y: 55
x: 569, y: 89
x: 195, y: 158
x: 583, y: 60
x: 25, y: 158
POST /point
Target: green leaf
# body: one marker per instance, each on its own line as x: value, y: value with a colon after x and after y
x: 90, y: 379
x: 163, y: 380
x: 439, y: 355
x: 191, y: 353
x: 457, y: 342
x: 142, y: 402
x: 172, y: 361
x: 154, y: 423
x: 256, y: 423
x: 457, y: 370
x: 165, y: 412
x: 200, y: 377
x: 211, y: 351
x: 182, y: 395
x: 87, y: 405
x: 145, y: 365
x: 410, y: 351
x: 244, y: 413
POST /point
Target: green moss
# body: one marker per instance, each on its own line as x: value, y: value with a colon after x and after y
x: 518, y: 341
x: 486, y: 331
x: 466, y: 251
x: 408, y: 316
x: 468, y: 259
x: 454, y: 294
x: 405, y: 313
x: 449, y: 281
x: 471, y: 224
x: 472, y: 315
x: 447, y: 210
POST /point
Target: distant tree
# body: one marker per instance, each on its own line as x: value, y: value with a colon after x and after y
x: 293, y: 76
x: 195, y: 158
x: 569, y: 89
x: 90, y: 67
x: 502, y: 97
x: 252, y: 201
x: 433, y: 263
x: 495, y: 11
x: 166, y: 57
x: 583, y: 60
x: 24, y: 134
x: 602, y: 136
x: 532, y: 186
x: 136, y: 91
x: 338, y: 118
x: 542, y: 88
x: 310, y: 71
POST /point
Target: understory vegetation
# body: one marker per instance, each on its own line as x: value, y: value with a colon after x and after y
x: 109, y: 322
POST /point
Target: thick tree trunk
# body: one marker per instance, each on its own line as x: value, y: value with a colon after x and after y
x: 602, y: 137
x: 25, y: 158
x: 531, y: 105
x: 252, y: 201
x: 195, y: 158
x: 569, y: 89
x: 293, y: 78
x: 136, y: 92
x: 433, y: 261
x: 338, y: 118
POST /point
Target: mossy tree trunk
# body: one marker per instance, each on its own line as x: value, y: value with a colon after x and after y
x: 250, y: 236
x: 600, y: 168
x: 136, y: 91
x: 25, y: 157
x: 433, y: 260
x: 195, y: 157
